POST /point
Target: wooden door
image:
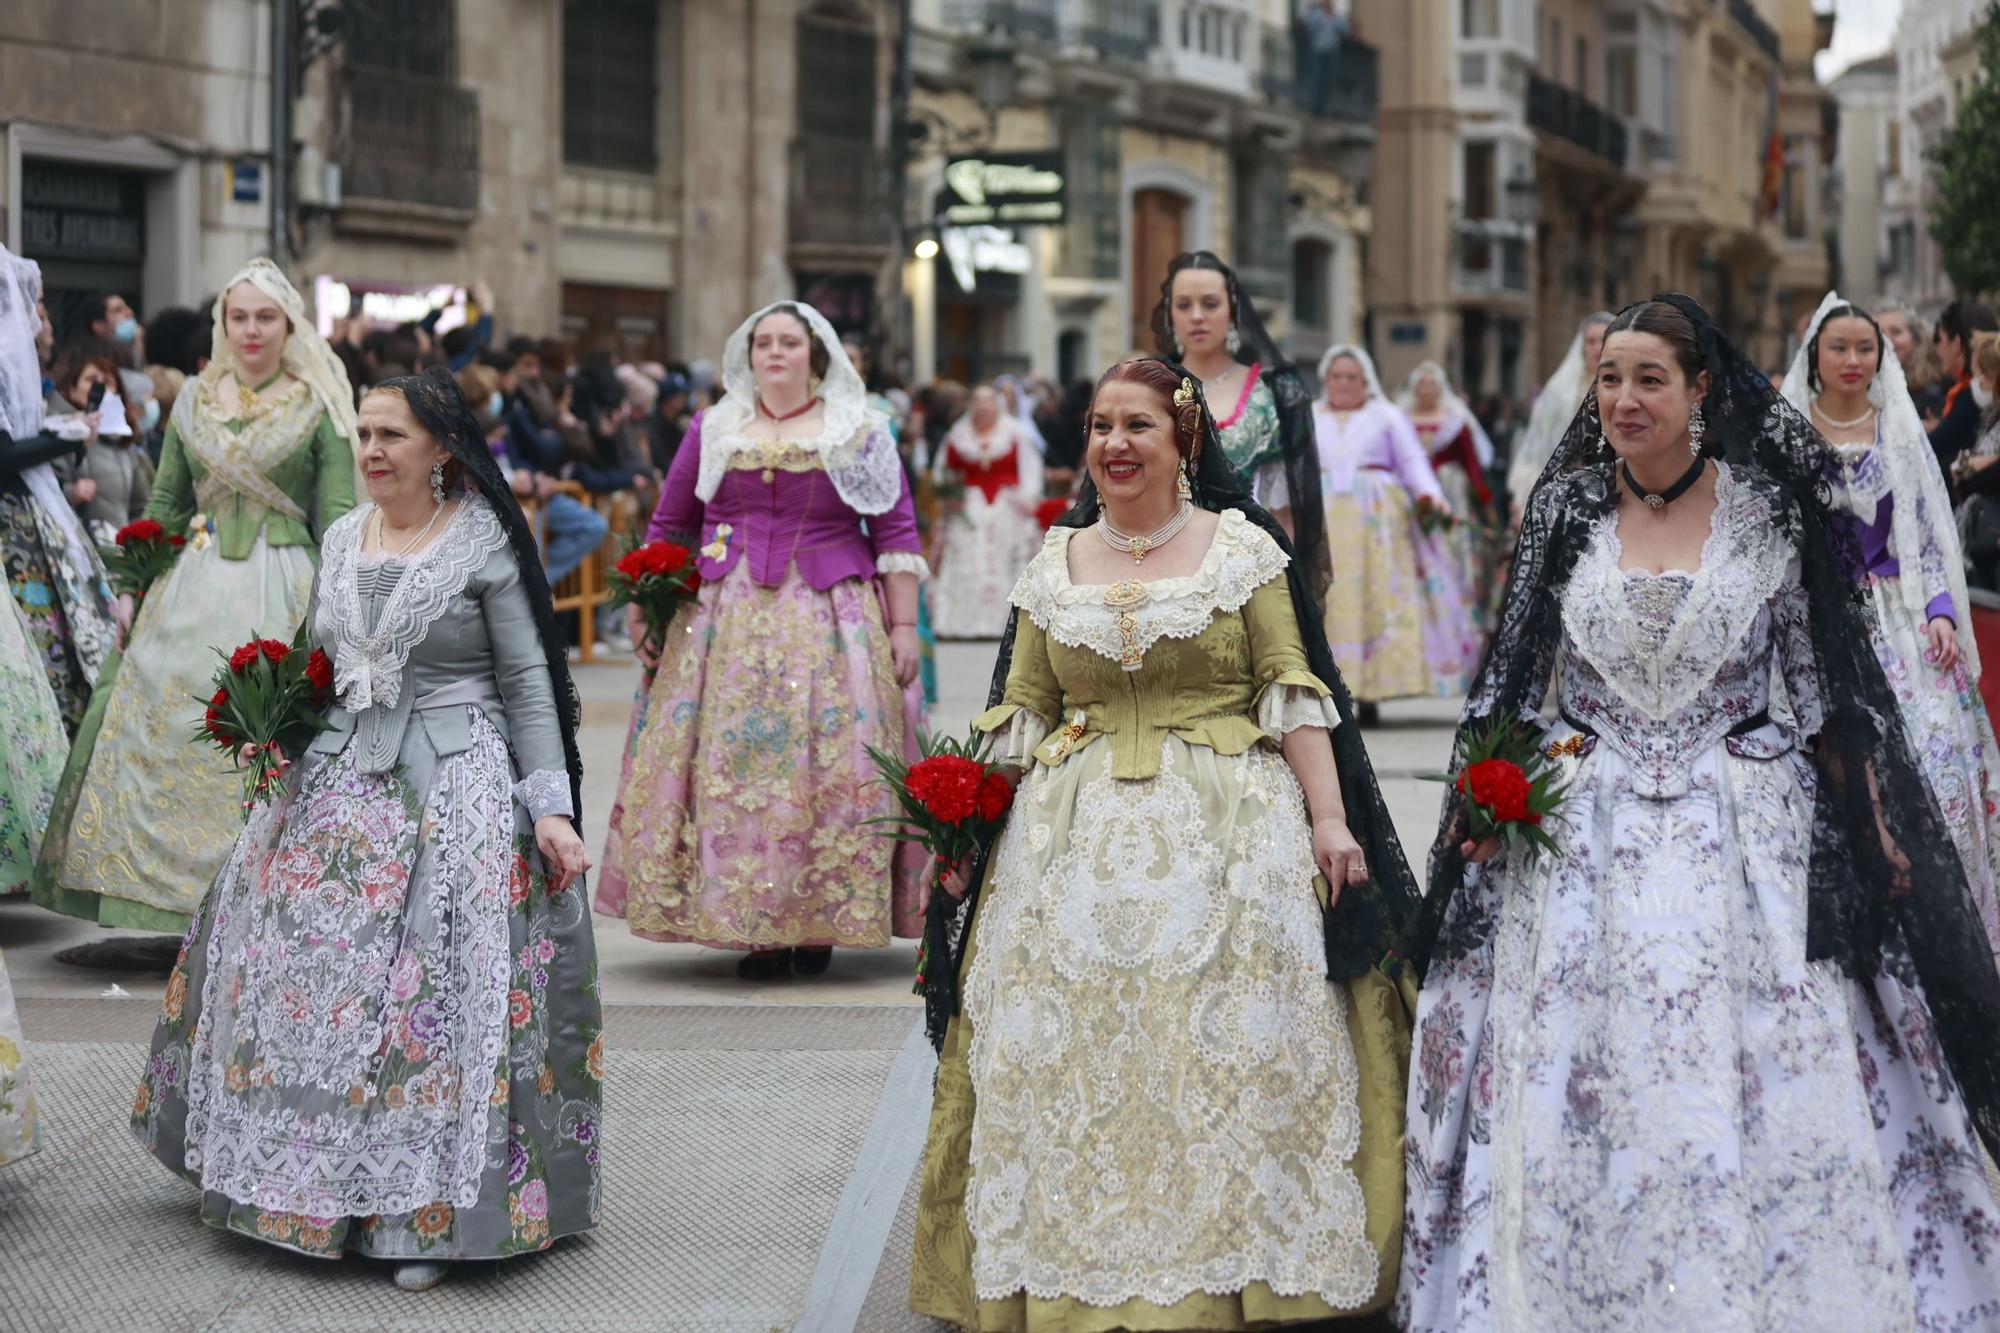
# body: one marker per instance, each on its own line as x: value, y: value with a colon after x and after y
x: 1159, y: 226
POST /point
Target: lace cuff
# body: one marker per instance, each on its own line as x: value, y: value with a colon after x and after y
x: 1284, y: 707
x: 545, y: 792
x: 1015, y: 743
x: 903, y: 562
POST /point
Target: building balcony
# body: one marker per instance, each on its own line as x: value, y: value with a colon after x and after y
x: 839, y: 193
x: 1762, y: 33
x: 1489, y: 259
x: 1557, y: 111
x: 1126, y: 30
x: 1026, y: 20
x: 1211, y: 45
x: 1342, y: 85
x: 407, y: 144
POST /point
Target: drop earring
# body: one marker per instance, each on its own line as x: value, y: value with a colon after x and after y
x: 1184, y: 486
x: 1697, y: 427
x: 437, y: 483
x: 1234, y: 341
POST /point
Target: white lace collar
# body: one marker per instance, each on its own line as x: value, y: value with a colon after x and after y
x: 1122, y: 621
x: 864, y: 466
x: 368, y: 665
x: 1658, y: 639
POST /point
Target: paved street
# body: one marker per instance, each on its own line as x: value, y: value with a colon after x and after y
x: 759, y: 1165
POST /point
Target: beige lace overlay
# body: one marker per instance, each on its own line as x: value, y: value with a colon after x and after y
x: 1166, y: 1087
x: 241, y: 462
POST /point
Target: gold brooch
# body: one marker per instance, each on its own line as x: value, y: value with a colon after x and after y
x: 1569, y: 746
x: 1184, y: 396
x: 718, y: 548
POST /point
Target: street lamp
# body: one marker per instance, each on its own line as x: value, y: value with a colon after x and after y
x: 993, y: 77
x: 927, y: 248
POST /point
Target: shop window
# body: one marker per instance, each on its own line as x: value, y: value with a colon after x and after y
x: 611, y: 87
x: 1312, y: 284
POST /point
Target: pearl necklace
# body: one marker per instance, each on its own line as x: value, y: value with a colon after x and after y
x: 382, y: 545
x: 1137, y: 547
x: 1837, y: 424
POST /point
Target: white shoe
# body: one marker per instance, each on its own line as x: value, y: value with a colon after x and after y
x: 420, y: 1276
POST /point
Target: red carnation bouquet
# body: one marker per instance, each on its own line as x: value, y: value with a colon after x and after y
x: 272, y: 697
x: 954, y: 803
x: 143, y: 551
x: 1510, y: 787
x: 658, y: 578
x: 1050, y: 510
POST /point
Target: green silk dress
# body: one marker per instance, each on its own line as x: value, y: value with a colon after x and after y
x: 1155, y: 1111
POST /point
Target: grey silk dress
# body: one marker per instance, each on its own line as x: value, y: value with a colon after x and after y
x: 384, y: 1033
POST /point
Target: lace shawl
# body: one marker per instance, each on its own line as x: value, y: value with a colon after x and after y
x: 1451, y: 406
x: 368, y: 663
x: 854, y: 443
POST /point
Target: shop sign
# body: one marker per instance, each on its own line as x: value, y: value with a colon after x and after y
x: 82, y: 213
x: 386, y: 303
x: 1005, y: 189
x: 1406, y: 333
x: 972, y: 251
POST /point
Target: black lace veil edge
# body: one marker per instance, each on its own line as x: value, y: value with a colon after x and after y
x: 1298, y: 443
x: 1886, y: 892
x: 436, y: 402
x: 1369, y: 921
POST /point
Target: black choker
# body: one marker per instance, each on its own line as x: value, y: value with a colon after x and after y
x: 1658, y: 500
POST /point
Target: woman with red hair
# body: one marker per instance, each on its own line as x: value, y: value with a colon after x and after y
x: 1154, y: 1109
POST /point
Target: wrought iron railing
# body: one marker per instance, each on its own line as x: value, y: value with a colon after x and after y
x: 839, y: 192
x: 1346, y: 87
x: 1120, y: 29
x: 1014, y: 18
x: 1557, y: 110
x: 409, y: 140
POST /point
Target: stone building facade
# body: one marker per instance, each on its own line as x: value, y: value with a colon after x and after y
x: 135, y: 156
x: 1192, y: 124
x: 1556, y: 157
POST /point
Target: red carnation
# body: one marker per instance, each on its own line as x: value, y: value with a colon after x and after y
x: 275, y: 650
x: 633, y: 564
x: 1500, y: 786
x: 319, y: 670
x: 142, y: 530
x: 177, y: 540
x: 693, y: 581
x: 221, y: 700
x: 948, y: 786
x: 244, y: 657
x: 1050, y: 510
x: 995, y: 796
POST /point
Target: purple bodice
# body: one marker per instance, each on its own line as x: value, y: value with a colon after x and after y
x: 1379, y: 437
x: 1872, y: 535
x: 779, y: 515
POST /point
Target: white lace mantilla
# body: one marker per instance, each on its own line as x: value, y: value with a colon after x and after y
x: 1123, y: 620
x: 1655, y: 647
x: 368, y: 665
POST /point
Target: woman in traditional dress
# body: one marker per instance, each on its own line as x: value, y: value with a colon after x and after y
x: 257, y: 464
x: 1717, y: 1061
x: 1554, y: 407
x: 33, y: 742
x: 990, y: 531
x: 744, y: 806
x: 1851, y: 387
x: 53, y: 569
x: 1155, y: 1111
x: 1398, y: 622
x: 383, y: 1035
x: 1460, y: 455
x: 1205, y: 322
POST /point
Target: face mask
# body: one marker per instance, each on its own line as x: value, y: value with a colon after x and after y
x: 1982, y: 394
x: 152, y: 416
x: 127, y: 330
x: 494, y: 403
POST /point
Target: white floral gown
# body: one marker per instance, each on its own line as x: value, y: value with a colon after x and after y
x: 1634, y: 1104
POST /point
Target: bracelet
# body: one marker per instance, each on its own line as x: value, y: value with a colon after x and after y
x: 902, y: 624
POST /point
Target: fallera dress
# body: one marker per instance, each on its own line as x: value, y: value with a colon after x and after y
x: 1154, y: 1110
x: 383, y: 1035
x: 145, y: 818
x: 986, y: 542
x: 747, y: 787
x: 1395, y: 618
x: 33, y: 747
x: 1634, y: 1103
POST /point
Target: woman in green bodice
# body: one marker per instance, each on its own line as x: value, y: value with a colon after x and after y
x: 258, y: 460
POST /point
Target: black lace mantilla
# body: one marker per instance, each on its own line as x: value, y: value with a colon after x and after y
x: 437, y: 404
x: 1886, y: 890
x: 1368, y: 921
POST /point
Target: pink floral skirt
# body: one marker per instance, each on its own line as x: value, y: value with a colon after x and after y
x: 743, y: 807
